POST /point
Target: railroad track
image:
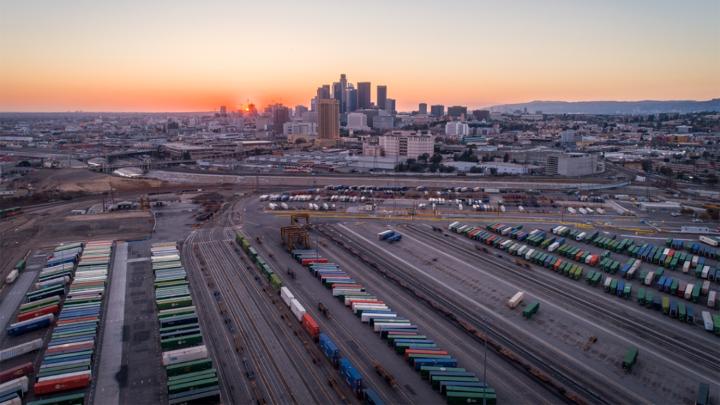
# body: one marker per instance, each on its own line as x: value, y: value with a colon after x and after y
x: 409, y: 306
x: 534, y: 365
x: 707, y: 356
x: 341, y: 335
x: 216, y: 338
x: 267, y: 302
x: 255, y: 348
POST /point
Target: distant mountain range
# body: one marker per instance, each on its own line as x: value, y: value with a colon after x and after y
x: 612, y: 107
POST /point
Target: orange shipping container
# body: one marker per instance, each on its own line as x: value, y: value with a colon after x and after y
x: 311, y: 326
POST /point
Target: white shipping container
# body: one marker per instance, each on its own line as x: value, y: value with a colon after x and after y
x: 711, y: 299
x: 607, y: 282
x: 707, y: 321
x: 183, y: 355
x: 516, y: 299
x: 21, y: 349
x: 554, y: 246
x: 707, y: 240
x: 297, y: 309
x: 705, y: 272
x: 11, y: 277
x: 686, y: 266
x: 688, y: 291
x: 695, y: 260
x: 649, y: 278
x: 366, y: 316
x: 379, y: 325
x: 18, y: 384
x: 286, y: 295
x: 529, y: 253
x: 350, y: 299
x: 705, y: 287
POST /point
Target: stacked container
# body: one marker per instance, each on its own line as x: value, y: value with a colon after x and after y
x: 435, y: 364
x: 190, y: 373
x: 68, y: 361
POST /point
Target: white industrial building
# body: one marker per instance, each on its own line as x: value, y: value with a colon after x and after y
x: 573, y: 164
x: 457, y: 129
x: 357, y: 122
x: 407, y: 144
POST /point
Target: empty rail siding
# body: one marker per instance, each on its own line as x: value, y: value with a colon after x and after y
x: 632, y: 321
x: 510, y: 386
x: 244, y: 315
x: 544, y: 364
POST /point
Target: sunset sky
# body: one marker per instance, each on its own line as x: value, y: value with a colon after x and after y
x: 196, y: 55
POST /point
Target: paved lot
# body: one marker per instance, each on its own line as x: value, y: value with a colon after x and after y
x: 107, y: 389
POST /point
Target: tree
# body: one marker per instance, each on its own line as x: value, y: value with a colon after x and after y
x: 506, y: 157
x: 666, y: 171
x: 423, y: 158
x: 647, y: 165
x: 436, y: 159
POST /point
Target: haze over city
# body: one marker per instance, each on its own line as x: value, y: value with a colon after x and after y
x: 194, y: 56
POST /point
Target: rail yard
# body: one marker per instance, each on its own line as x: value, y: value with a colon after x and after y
x: 358, y: 293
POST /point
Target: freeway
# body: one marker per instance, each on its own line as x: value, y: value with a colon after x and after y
x: 262, y: 180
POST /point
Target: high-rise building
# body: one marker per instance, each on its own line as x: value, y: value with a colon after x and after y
x: 343, y: 93
x: 280, y: 115
x: 300, y: 110
x: 337, y: 91
x: 422, y: 108
x: 390, y: 105
x: 457, y: 111
x: 323, y: 91
x: 364, y: 95
x: 351, y: 99
x: 437, y: 110
x: 223, y: 110
x: 381, y: 97
x: 328, y: 120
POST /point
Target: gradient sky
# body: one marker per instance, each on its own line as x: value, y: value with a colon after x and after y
x: 196, y: 55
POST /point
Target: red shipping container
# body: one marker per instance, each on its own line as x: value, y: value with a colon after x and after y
x: 16, y: 372
x: 52, y: 309
x: 310, y: 326
x: 61, y: 384
x: 306, y: 262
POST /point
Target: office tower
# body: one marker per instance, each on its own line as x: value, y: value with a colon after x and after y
x: 437, y: 110
x: 390, y: 105
x: 280, y: 115
x: 328, y: 120
x: 343, y: 93
x: 381, y: 97
x: 481, y: 115
x: 337, y: 92
x: 323, y: 92
x: 351, y: 99
x: 457, y: 110
x: 364, y: 95
x: 422, y: 108
x: 300, y: 110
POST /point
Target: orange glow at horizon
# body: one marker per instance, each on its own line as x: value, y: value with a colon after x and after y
x: 65, y: 56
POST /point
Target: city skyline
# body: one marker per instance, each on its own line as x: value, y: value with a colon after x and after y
x: 158, y: 57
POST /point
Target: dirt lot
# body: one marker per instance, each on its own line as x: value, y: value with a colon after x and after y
x: 82, y: 180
